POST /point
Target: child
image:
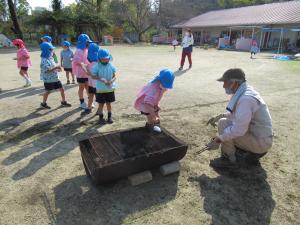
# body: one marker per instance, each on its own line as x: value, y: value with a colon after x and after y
x: 79, y: 60
x: 23, y: 60
x: 93, y: 59
x: 49, y: 74
x: 150, y: 95
x: 66, y: 56
x: 254, y: 48
x: 174, y: 43
x: 49, y: 39
x: 105, y: 74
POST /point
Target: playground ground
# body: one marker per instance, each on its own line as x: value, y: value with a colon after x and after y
x: 42, y: 179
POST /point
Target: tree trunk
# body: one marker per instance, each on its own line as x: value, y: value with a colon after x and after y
x: 140, y: 36
x: 14, y: 18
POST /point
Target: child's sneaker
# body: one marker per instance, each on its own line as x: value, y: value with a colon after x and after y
x: 109, y: 120
x: 68, y: 82
x: 180, y: 68
x: 83, y: 105
x: 65, y: 104
x: 27, y: 84
x: 44, y: 105
x: 156, y: 129
x: 73, y: 81
x: 102, y: 121
x: 87, y: 111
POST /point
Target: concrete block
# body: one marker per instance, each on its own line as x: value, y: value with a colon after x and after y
x: 170, y: 168
x: 140, y: 178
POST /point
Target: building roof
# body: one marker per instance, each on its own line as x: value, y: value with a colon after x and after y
x: 275, y: 13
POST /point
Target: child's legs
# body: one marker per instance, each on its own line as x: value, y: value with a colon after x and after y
x: 152, y: 116
x: 45, y: 96
x: 157, y: 118
x: 189, y: 55
x: 62, y: 93
x: 183, y: 55
x: 86, y: 86
x: 72, y: 74
x: 90, y: 100
x: 100, y: 108
x: 152, y: 119
x: 108, y: 107
x: 22, y: 73
x: 80, y: 90
x: 67, y: 75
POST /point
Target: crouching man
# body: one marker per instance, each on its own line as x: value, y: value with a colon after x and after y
x: 247, y: 125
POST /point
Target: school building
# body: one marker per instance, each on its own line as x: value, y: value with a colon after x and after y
x: 274, y: 26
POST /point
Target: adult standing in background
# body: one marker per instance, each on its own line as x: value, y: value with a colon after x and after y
x: 187, y: 48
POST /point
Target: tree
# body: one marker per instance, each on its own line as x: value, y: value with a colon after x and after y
x: 16, y: 27
x: 56, y: 5
x: 139, y: 14
x: 92, y: 15
x: 3, y: 10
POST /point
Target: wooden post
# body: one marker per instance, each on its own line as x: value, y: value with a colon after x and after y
x: 280, y: 39
x: 261, y: 35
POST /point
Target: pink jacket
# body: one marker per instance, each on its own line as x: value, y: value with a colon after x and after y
x: 22, y: 60
x: 80, y: 56
x: 92, y: 82
x: 150, y: 94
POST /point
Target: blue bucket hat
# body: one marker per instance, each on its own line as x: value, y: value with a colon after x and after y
x: 46, y: 49
x: 166, y: 78
x: 104, y: 54
x: 93, y: 52
x: 48, y: 38
x: 82, y: 40
x: 66, y: 43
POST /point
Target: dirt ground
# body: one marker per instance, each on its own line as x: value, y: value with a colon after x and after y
x: 42, y: 179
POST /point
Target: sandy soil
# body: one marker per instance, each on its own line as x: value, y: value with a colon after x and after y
x: 42, y: 175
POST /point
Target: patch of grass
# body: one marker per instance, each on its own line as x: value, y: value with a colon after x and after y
x: 292, y: 65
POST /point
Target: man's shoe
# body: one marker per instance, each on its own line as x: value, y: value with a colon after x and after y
x: 223, y: 163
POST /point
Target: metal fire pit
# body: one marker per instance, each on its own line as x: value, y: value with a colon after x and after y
x: 118, y: 154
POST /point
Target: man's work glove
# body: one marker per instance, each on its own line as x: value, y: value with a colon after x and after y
x: 212, y: 121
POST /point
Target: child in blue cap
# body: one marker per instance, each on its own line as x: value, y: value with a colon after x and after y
x: 49, y: 74
x: 148, y: 98
x: 78, y: 63
x: 93, y: 60
x: 66, y: 56
x: 105, y: 74
x: 47, y: 38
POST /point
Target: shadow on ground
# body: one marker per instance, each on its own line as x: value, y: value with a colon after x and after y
x: 27, y: 92
x: 49, y: 140
x: 239, y: 198
x: 79, y: 202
